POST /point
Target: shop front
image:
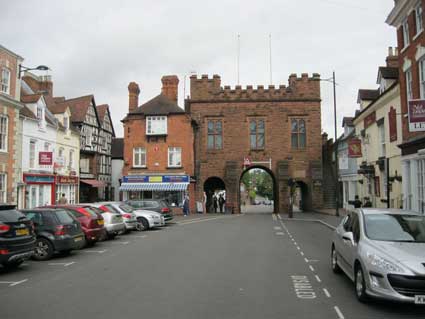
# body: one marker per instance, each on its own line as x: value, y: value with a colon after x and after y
x: 171, y: 188
x: 39, y: 189
x: 67, y: 185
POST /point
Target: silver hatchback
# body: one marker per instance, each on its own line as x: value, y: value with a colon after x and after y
x: 383, y: 252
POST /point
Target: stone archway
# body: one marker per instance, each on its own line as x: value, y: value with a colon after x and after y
x: 213, y: 185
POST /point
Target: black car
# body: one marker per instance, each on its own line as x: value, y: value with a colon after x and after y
x: 17, y: 238
x: 57, y: 231
x: 155, y: 205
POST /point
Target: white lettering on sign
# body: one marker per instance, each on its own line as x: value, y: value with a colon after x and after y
x: 302, y: 287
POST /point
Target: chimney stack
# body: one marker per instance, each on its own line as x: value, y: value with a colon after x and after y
x: 392, y: 58
x: 170, y: 86
x: 133, y: 96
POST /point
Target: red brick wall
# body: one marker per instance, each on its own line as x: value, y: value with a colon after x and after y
x: 301, y: 99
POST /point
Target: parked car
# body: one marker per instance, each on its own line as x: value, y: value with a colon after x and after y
x: 17, y: 237
x: 156, y: 205
x: 114, y: 223
x: 383, y: 252
x: 57, y: 231
x: 126, y: 212
x: 91, y: 221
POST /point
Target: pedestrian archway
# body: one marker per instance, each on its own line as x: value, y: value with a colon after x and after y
x: 258, y: 192
x: 301, y: 198
x: 214, y: 188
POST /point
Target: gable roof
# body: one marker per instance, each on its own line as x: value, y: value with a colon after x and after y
x: 31, y: 98
x: 388, y: 72
x: 159, y: 105
x: 367, y: 95
x: 117, y: 148
x: 347, y: 120
x: 101, y: 110
x: 78, y: 107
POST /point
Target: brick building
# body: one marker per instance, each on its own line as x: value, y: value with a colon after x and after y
x: 277, y: 128
x: 9, y: 124
x: 407, y: 16
x: 158, y: 147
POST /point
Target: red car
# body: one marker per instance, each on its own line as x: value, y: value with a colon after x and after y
x: 92, y: 222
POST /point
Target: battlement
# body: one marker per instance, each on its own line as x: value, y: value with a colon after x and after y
x: 298, y: 88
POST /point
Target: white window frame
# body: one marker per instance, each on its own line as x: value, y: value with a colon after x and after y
x: 4, y: 132
x: 66, y: 122
x: 421, y: 185
x: 138, y: 152
x: 89, y: 135
x: 156, y: 125
x: 5, y: 80
x: 381, y: 135
x: 419, y: 19
x: 174, y: 157
x: 409, y: 84
x: 32, y: 153
x: 71, y: 159
x: 3, y: 187
x: 422, y: 77
x: 84, y: 165
x: 406, y: 37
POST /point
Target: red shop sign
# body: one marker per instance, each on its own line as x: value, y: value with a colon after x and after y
x: 45, y: 158
x: 354, y: 148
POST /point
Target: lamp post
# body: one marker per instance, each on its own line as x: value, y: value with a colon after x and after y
x: 38, y: 68
x: 332, y: 80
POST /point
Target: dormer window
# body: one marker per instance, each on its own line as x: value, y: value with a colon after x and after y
x: 40, y: 117
x: 156, y: 125
x: 66, y: 122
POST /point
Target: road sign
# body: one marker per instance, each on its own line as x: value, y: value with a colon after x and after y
x: 247, y: 161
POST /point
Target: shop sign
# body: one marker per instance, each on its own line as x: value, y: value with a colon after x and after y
x: 369, y: 120
x: 66, y: 180
x: 39, y: 179
x: 45, y: 158
x: 416, y: 115
x: 354, y: 148
x: 156, y: 179
x: 392, y: 120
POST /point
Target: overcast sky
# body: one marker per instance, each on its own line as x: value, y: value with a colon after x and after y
x: 98, y: 47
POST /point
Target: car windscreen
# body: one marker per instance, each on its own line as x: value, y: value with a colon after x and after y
x: 64, y: 217
x: 111, y: 209
x: 91, y: 211
x: 395, y: 227
x: 126, y: 208
x: 10, y: 216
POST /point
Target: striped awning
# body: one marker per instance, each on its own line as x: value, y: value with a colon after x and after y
x: 153, y: 186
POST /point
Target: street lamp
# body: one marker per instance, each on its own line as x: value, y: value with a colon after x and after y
x: 332, y: 80
x: 38, y: 68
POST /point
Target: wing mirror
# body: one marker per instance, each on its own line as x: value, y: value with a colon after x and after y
x: 348, y: 236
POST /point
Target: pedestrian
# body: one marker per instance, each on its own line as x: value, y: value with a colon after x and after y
x: 357, y: 203
x: 63, y: 200
x: 221, y: 202
x: 186, y: 206
x: 215, y: 203
x: 367, y: 203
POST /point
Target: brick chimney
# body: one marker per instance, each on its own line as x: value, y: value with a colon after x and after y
x: 392, y: 58
x: 133, y: 96
x: 170, y: 86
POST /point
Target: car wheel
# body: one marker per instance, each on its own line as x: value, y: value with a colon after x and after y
x: 334, y: 261
x: 144, y: 222
x: 43, y: 249
x: 359, y: 283
x: 13, y: 264
x: 139, y: 226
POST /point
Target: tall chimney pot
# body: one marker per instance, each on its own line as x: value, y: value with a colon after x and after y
x: 133, y: 96
x: 170, y: 87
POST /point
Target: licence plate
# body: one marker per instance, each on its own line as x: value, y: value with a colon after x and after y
x: 22, y: 232
x: 420, y: 299
x: 100, y: 222
x: 76, y: 239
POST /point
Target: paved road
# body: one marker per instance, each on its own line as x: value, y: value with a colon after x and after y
x: 244, y: 266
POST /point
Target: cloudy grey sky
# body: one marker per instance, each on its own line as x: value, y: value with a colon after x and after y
x: 100, y: 46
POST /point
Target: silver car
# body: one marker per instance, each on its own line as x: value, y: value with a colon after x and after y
x: 114, y: 223
x: 126, y: 212
x: 383, y: 252
x: 149, y: 219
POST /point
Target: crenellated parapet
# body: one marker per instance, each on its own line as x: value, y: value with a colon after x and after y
x: 298, y: 88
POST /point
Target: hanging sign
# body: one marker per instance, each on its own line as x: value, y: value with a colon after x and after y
x: 416, y: 115
x: 354, y: 148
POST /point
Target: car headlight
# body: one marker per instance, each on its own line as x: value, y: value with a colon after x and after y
x: 153, y: 216
x: 382, y: 263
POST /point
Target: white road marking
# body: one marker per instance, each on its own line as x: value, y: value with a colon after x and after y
x: 144, y: 236
x: 311, y: 220
x: 302, y: 254
x: 120, y: 242
x: 306, y: 260
x: 318, y: 278
x: 274, y: 217
x: 326, y: 292
x: 280, y: 233
x: 94, y: 251
x: 280, y: 217
x: 311, y: 268
x: 200, y: 220
x: 277, y: 228
x: 339, y: 313
x: 295, y: 243
x: 13, y: 283
x: 298, y: 247
x: 62, y: 264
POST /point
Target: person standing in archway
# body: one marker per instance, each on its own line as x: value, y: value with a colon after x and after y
x: 221, y: 202
x: 215, y: 203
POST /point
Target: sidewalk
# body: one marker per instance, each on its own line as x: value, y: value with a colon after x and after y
x: 319, y: 216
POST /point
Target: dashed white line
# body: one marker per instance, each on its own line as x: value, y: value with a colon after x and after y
x: 277, y: 228
x: 306, y: 260
x: 143, y: 236
x: 311, y: 268
x: 302, y: 253
x: 326, y: 292
x: 18, y: 283
x: 280, y: 233
x: 278, y: 216
x: 339, y: 313
x: 318, y: 278
x: 298, y: 247
x: 120, y: 242
x: 94, y: 251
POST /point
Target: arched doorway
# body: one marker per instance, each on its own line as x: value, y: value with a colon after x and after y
x: 301, y: 199
x: 258, y: 191
x: 214, y: 188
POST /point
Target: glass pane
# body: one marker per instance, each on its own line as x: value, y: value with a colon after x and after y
x: 260, y: 141
x: 260, y: 128
x: 253, y: 141
x: 218, y: 142
x: 210, y: 127
x: 302, y: 126
x: 218, y: 127
x: 210, y: 141
x: 294, y: 140
x: 252, y: 127
x: 302, y: 140
x: 294, y: 126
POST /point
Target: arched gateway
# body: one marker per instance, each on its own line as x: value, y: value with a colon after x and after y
x: 277, y: 128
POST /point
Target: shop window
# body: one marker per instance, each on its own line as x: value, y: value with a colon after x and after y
x: 298, y: 133
x: 256, y: 134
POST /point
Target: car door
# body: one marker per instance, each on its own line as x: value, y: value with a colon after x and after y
x: 351, y: 246
x: 344, y: 227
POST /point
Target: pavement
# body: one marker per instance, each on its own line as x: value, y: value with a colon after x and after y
x: 201, y: 266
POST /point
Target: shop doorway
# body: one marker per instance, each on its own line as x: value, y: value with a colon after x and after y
x: 257, y: 191
x: 215, y: 193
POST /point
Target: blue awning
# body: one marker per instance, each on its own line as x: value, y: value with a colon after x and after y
x: 153, y: 186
